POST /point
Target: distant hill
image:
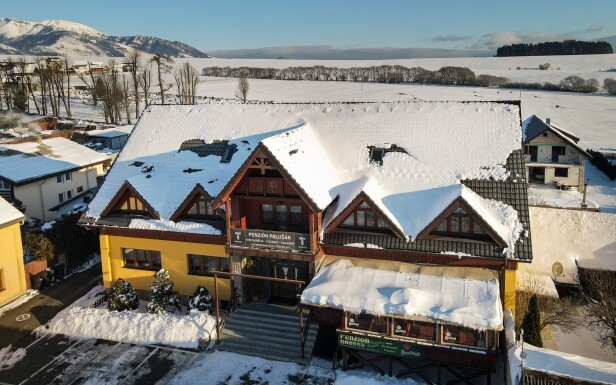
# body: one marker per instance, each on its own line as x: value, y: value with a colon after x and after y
x: 58, y: 37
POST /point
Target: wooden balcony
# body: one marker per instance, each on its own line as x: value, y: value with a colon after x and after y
x: 266, y: 187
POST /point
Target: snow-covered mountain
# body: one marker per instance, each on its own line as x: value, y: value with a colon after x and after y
x: 59, y: 37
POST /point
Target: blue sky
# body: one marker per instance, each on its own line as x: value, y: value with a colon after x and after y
x: 240, y: 24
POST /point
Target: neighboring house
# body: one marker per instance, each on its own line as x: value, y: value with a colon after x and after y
x: 47, y: 173
x: 110, y: 138
x: 12, y: 275
x: 552, y: 155
x: 397, y: 222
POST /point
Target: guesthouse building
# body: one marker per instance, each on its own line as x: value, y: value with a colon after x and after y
x: 400, y: 225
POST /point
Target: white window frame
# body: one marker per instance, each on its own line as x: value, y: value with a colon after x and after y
x: 5, y: 186
x: 62, y: 197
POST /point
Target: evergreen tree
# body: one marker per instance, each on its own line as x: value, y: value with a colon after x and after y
x: 163, y: 297
x: 122, y: 297
x: 532, y: 324
x: 202, y: 300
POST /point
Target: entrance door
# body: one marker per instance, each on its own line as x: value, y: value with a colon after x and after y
x: 532, y: 151
x: 287, y: 269
x: 537, y: 174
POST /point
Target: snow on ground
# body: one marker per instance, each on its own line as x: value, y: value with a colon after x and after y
x: 601, y: 193
x: 28, y: 295
x: 9, y: 357
x: 174, y: 329
x: 235, y: 369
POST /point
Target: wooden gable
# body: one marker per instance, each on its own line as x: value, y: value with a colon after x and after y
x: 196, y: 205
x: 362, y: 199
x: 263, y: 160
x: 128, y: 200
x: 459, y: 208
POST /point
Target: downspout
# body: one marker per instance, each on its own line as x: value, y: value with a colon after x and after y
x: 42, y: 199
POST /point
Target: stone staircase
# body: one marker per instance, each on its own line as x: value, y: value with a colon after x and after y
x: 267, y: 331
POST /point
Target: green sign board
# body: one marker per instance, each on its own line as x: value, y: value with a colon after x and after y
x: 379, y: 345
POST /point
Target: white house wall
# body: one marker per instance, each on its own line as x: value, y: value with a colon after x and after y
x: 39, y: 196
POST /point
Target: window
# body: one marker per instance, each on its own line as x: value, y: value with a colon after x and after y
x: 203, y: 264
x: 364, y: 216
x: 285, y: 216
x: 64, y: 177
x: 132, y: 204
x: 61, y: 197
x: 142, y: 259
x: 556, y: 152
x: 368, y: 323
x: 561, y: 172
x: 459, y: 335
x: 69, y: 194
x: 296, y: 216
x: 267, y: 213
x: 415, y: 329
x: 80, y: 189
x: 460, y: 223
x: 4, y: 185
x: 201, y: 207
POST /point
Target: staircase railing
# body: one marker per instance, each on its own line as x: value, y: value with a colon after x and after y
x: 304, y: 329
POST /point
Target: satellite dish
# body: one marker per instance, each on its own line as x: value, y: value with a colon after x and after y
x: 557, y: 269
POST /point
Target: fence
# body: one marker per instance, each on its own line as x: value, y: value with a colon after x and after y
x: 33, y: 268
x: 535, y: 377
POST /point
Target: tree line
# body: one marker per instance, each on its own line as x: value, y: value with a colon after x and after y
x: 43, y: 85
x: 567, y: 47
x: 449, y: 75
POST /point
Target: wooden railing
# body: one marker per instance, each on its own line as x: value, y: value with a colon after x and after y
x: 304, y: 329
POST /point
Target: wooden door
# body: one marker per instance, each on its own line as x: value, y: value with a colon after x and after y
x: 287, y: 269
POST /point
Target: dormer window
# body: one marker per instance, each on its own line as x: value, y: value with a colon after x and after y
x: 364, y: 216
x: 201, y: 207
x: 132, y: 204
x: 460, y: 223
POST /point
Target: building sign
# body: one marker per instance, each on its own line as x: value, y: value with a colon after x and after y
x: 379, y: 345
x: 276, y: 240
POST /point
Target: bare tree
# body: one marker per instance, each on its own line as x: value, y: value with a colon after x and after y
x: 163, y: 65
x: 186, y: 80
x: 145, y: 82
x: 555, y: 311
x: 126, y: 96
x: 598, y: 289
x: 133, y: 59
x: 242, y: 88
x: 109, y: 91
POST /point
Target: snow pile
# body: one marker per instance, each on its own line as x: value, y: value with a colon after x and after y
x: 9, y: 357
x: 565, y: 365
x: 181, y: 330
x: 570, y: 237
x: 465, y: 296
x: 8, y: 213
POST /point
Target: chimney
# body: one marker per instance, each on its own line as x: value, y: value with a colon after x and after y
x: 547, y: 120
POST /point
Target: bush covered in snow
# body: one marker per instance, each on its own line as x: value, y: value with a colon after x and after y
x: 163, y: 297
x: 202, y: 300
x: 122, y: 297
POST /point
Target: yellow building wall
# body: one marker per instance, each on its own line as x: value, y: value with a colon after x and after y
x: 174, y: 258
x: 509, y: 292
x: 11, y: 264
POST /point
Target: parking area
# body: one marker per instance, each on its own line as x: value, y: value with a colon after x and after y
x: 58, y: 360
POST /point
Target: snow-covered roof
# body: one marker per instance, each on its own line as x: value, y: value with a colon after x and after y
x: 443, y: 143
x: 21, y: 163
x: 564, y: 365
x: 8, y: 213
x: 573, y: 238
x: 111, y: 132
x: 465, y: 296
